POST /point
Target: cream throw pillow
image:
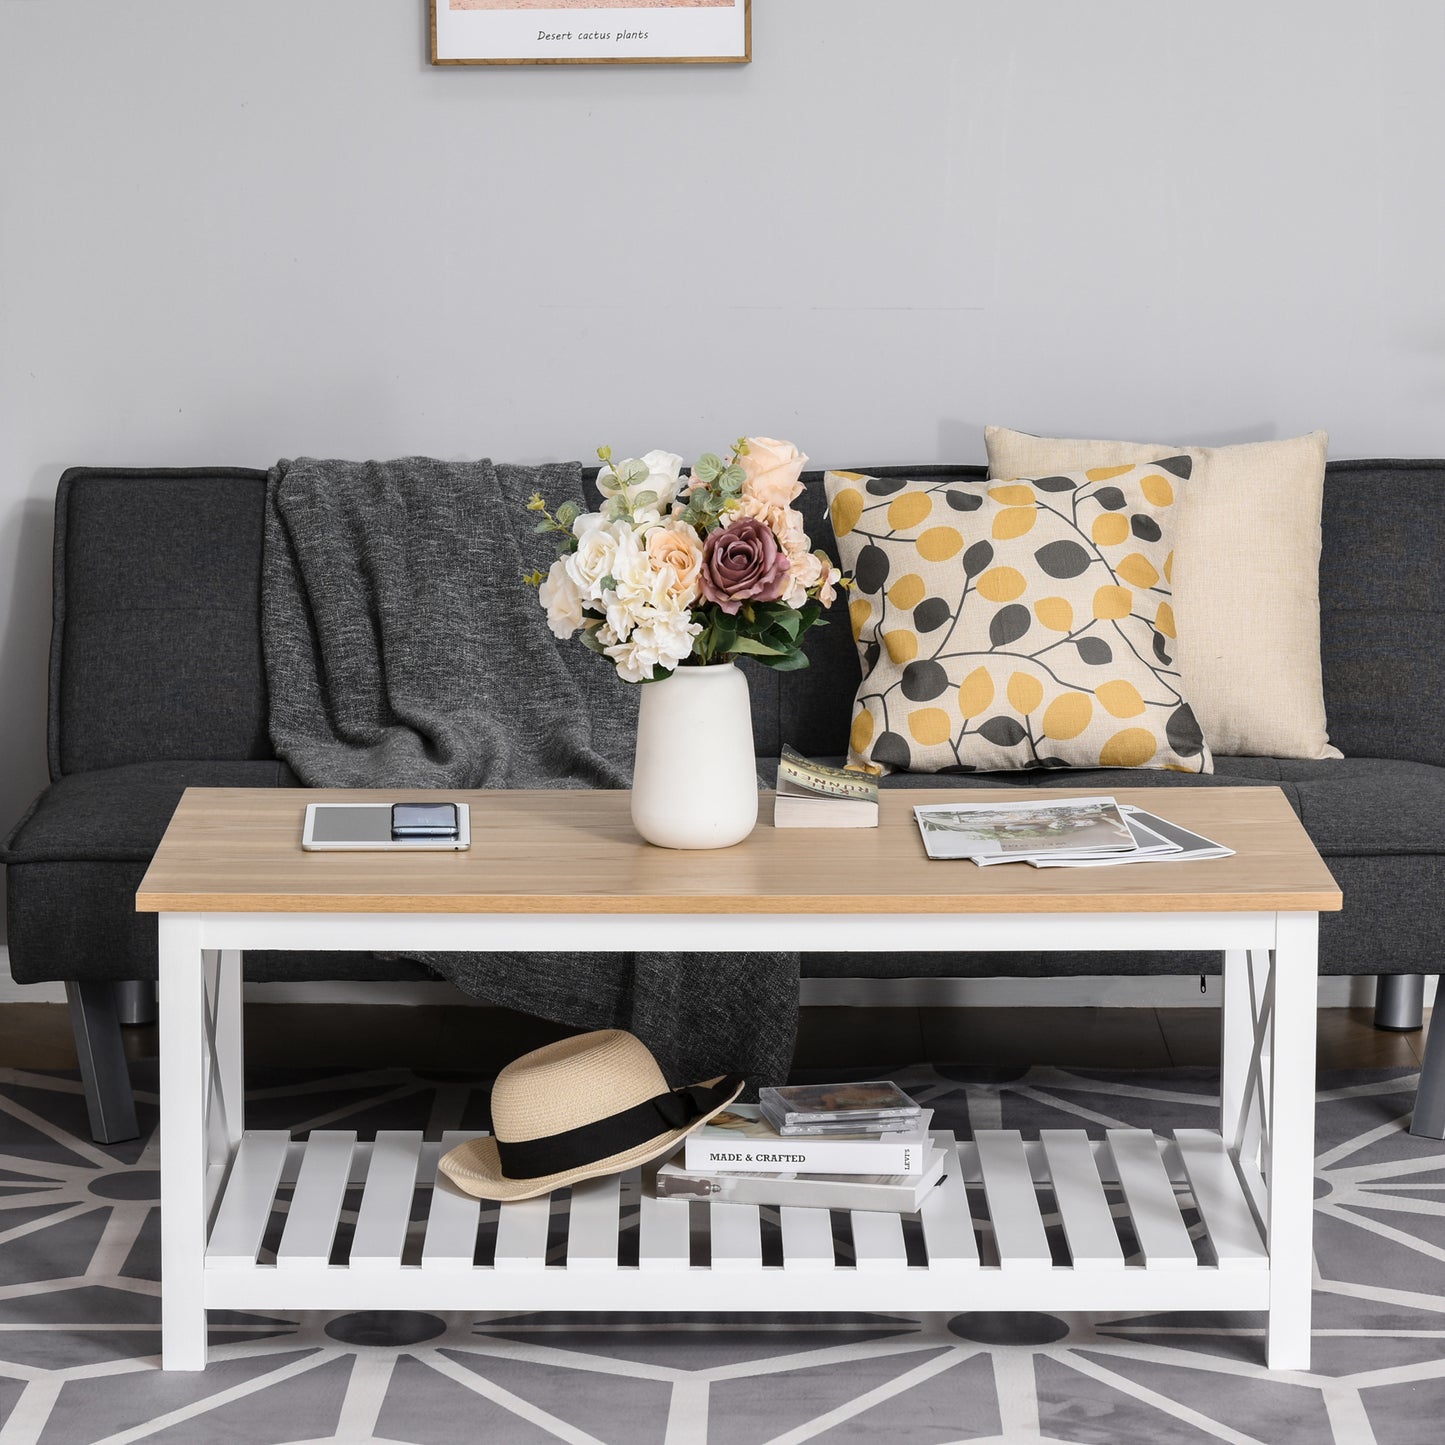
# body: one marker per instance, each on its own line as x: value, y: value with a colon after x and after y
x: 1246, y: 579
x: 1023, y: 625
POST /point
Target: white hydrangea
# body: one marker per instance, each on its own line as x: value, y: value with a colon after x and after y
x: 663, y: 639
x: 560, y: 596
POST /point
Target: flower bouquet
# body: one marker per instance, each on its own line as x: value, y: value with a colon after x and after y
x: 689, y: 570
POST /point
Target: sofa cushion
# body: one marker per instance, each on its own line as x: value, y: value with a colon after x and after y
x: 1351, y: 807
x: 156, y: 643
x: 119, y: 814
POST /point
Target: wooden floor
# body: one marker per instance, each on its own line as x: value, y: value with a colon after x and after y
x: 480, y: 1040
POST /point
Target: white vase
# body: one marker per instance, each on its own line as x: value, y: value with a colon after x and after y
x: 694, y: 783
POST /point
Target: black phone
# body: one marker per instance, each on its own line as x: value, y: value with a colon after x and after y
x: 424, y: 820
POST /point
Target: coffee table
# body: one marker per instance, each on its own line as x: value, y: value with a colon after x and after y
x: 565, y: 871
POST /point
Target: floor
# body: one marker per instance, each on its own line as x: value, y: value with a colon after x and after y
x: 37, y: 1036
x: 79, y: 1307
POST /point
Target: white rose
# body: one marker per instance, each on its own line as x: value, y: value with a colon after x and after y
x: 664, y: 476
x: 559, y: 595
x: 592, y: 561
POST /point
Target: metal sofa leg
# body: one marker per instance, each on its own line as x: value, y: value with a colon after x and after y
x: 135, y: 1002
x: 103, y: 1070
x: 1400, y: 1002
x: 1428, y: 1121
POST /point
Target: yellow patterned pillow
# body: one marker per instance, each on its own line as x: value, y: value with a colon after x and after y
x: 1020, y: 624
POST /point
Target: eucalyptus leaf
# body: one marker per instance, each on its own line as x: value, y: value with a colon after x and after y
x: 709, y: 467
x: 643, y: 499
x: 567, y: 513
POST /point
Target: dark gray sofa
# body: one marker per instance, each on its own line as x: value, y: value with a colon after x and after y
x: 156, y: 684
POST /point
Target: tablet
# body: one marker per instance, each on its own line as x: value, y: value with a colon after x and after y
x: 341, y: 827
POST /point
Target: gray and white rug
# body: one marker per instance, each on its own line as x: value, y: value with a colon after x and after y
x: 80, y: 1308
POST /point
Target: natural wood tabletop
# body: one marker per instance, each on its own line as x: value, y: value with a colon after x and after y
x: 238, y: 850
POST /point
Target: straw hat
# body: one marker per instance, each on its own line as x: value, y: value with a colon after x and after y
x: 586, y: 1106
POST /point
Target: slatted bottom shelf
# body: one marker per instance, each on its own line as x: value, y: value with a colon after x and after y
x: 1130, y: 1221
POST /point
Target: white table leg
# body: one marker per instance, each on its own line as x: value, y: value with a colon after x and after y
x: 1246, y: 1023
x: 226, y: 1080
x: 1290, y: 1141
x: 184, y: 1081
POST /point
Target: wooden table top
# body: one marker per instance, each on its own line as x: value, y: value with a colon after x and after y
x: 238, y: 850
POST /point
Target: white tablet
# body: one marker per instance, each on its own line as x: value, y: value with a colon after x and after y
x: 340, y: 827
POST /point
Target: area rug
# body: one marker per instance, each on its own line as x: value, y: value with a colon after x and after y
x: 80, y: 1307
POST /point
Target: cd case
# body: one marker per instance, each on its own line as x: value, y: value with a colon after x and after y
x: 858, y: 1104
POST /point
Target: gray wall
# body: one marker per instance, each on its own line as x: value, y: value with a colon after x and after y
x: 231, y: 233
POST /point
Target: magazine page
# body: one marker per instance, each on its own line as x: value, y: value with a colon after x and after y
x: 995, y: 830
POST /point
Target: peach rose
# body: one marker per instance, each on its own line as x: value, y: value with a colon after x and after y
x: 677, y: 546
x: 771, y: 469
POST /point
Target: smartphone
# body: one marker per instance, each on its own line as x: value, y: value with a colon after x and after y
x: 424, y: 820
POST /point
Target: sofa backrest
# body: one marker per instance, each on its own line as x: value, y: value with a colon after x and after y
x: 1382, y: 608
x: 156, y: 643
x: 156, y: 651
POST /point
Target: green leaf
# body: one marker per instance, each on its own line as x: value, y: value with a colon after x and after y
x: 753, y: 648
x: 734, y: 478
x: 567, y: 513
x: 545, y: 527
x: 590, y: 641
x: 644, y: 499
x: 789, y: 662
x: 608, y: 583
x: 633, y: 472
x: 708, y: 466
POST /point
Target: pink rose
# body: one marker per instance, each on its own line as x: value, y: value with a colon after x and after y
x: 771, y: 469
x: 742, y: 562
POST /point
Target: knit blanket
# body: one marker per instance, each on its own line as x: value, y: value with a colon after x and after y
x: 403, y: 649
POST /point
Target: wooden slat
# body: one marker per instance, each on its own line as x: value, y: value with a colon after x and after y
x: 807, y: 1238
x: 947, y: 1223
x: 316, y: 1205
x: 878, y: 1240
x: 664, y: 1227
x: 385, y: 1212
x: 1220, y: 1199
x: 1083, y: 1205
x: 451, y: 1224
x: 737, y: 1242
x: 1013, y: 1205
x: 250, y: 1193
x: 592, y: 1223
x: 1159, y: 1227
x: 522, y: 1234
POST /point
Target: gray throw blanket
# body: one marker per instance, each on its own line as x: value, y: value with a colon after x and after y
x: 403, y: 649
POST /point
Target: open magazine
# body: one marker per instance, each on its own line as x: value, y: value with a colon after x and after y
x: 1068, y: 833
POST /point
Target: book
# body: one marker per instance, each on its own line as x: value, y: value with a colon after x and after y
x: 739, y: 1138
x: 883, y: 1193
x: 873, y: 1107
x: 815, y: 795
x: 1055, y: 828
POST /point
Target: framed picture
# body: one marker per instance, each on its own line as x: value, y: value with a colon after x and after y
x: 590, y: 32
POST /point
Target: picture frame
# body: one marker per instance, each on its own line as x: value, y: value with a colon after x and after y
x: 591, y: 32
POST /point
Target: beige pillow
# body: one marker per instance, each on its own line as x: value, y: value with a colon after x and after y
x: 1246, y: 580
x: 1017, y: 625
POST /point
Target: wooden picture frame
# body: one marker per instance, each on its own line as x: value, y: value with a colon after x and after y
x: 604, y: 32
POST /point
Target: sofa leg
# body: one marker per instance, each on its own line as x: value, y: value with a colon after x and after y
x: 135, y: 1002
x: 103, y: 1069
x: 1428, y: 1121
x: 1400, y: 1002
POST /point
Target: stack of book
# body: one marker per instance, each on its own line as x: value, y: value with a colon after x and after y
x: 1066, y: 833
x: 825, y: 1146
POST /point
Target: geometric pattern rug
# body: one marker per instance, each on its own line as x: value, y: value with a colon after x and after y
x: 80, y: 1308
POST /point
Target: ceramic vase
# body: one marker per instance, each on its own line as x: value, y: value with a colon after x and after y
x: 694, y: 781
